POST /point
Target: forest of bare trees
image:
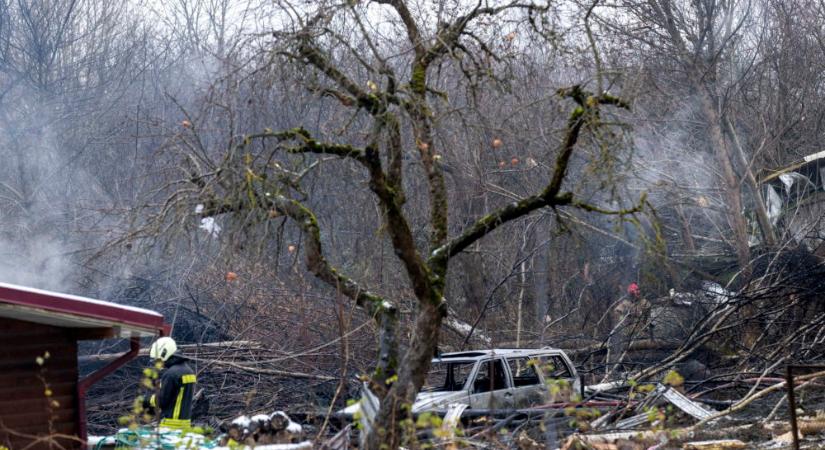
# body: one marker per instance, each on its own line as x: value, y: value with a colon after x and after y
x: 356, y: 186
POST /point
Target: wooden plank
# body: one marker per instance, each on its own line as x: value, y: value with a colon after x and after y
x: 12, y: 407
x: 7, y: 324
x: 93, y: 334
x: 23, y: 377
x: 57, y: 349
x: 29, y: 366
x: 24, y: 442
x: 63, y: 426
x: 340, y: 441
x: 26, y: 359
x: 23, y: 403
x: 36, y: 392
x: 722, y: 444
x: 64, y: 423
x: 38, y: 422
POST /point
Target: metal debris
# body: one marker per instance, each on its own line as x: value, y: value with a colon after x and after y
x: 369, y: 407
x: 687, y: 405
x: 633, y: 421
x: 452, y: 419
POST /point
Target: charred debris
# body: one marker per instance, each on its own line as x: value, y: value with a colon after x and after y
x: 720, y: 363
x: 723, y: 362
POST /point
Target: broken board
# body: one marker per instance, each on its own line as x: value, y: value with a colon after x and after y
x: 685, y: 404
x: 721, y: 444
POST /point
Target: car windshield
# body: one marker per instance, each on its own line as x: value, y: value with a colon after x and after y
x: 446, y: 376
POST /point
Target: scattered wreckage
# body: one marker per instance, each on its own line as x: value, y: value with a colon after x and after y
x: 513, y: 411
x: 493, y: 379
x: 535, y: 399
x: 794, y: 196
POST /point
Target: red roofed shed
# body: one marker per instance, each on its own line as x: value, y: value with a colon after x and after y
x: 34, y: 323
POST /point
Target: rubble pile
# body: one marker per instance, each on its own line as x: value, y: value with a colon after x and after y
x: 626, y: 416
x: 666, y: 418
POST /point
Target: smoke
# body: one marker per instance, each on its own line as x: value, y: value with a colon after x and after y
x: 78, y: 128
x: 673, y: 165
x: 39, y: 194
x: 40, y: 262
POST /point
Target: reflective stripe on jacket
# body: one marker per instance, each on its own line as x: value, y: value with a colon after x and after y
x: 177, y: 387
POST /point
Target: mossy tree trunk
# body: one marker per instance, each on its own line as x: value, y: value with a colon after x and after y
x: 389, y: 109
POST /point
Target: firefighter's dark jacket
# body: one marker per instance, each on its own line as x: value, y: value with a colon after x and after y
x: 177, y: 387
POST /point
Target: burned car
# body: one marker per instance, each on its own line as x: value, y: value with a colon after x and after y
x: 492, y: 379
x: 498, y: 379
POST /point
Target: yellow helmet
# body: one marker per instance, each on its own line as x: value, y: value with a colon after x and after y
x: 163, y: 348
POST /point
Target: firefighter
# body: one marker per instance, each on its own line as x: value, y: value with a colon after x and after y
x: 636, y: 309
x: 177, y: 386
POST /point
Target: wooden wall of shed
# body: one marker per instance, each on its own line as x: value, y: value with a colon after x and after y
x: 24, y: 407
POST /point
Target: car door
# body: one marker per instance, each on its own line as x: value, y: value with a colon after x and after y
x: 491, y: 386
x: 557, y: 375
x: 528, y: 388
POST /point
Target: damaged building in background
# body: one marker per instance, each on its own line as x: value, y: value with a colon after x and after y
x: 795, y: 198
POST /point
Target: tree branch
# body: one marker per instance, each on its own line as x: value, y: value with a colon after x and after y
x: 550, y: 195
x: 313, y: 55
x: 307, y: 144
x: 385, y: 313
x: 388, y: 191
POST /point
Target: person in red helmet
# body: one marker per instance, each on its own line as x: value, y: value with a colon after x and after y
x: 633, y: 290
x: 634, y: 309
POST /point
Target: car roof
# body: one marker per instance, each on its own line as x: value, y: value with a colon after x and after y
x: 503, y: 352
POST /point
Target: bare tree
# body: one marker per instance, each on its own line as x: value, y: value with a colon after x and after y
x: 392, y: 92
